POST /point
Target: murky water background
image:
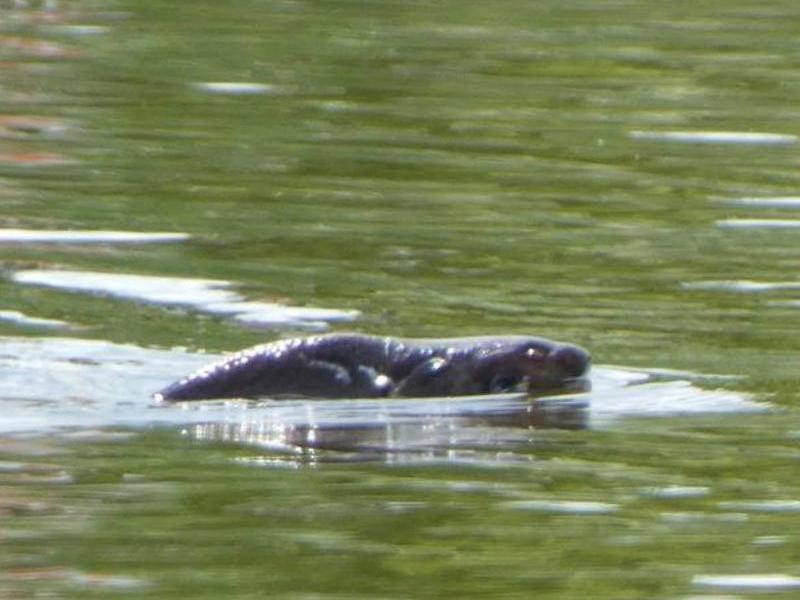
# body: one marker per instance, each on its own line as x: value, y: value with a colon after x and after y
x: 179, y: 180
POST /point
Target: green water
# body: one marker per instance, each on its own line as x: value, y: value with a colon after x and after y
x: 446, y: 168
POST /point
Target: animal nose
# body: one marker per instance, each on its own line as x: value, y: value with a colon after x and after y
x: 571, y: 361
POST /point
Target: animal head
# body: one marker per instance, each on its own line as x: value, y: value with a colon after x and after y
x: 537, y: 364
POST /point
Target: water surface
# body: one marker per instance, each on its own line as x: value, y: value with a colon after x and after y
x: 618, y: 174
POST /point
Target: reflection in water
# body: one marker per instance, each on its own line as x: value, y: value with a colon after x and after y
x: 431, y: 427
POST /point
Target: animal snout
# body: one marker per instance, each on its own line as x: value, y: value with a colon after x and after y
x: 570, y: 361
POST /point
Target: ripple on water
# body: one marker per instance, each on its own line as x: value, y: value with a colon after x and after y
x: 741, y: 285
x: 23, y: 320
x: 73, y: 236
x: 765, y: 582
x: 758, y: 223
x: 711, y: 597
x: 716, y: 137
x: 770, y: 540
x: 773, y: 202
x: 570, y: 507
x: 79, y: 30
x: 24, y: 126
x: 38, y: 48
x: 35, y: 159
x: 203, y: 295
x: 82, y: 579
x: 784, y: 303
x: 239, y: 88
x: 673, y: 492
x: 762, y: 505
x: 688, y: 518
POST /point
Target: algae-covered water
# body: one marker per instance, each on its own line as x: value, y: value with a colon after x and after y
x: 179, y: 180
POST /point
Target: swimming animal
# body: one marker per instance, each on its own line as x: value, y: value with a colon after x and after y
x: 351, y: 365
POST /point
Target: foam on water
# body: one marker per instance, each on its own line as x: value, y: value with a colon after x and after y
x: 203, y: 295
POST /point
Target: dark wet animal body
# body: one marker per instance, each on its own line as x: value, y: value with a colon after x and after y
x: 362, y: 366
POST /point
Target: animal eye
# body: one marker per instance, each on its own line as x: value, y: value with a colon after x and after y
x: 533, y: 353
